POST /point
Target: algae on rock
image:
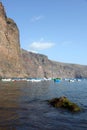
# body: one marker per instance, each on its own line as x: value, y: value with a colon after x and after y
x: 64, y: 102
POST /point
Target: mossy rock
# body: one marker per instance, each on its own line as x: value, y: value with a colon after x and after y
x: 64, y: 102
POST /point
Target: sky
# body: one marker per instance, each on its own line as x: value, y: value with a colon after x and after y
x: 55, y: 28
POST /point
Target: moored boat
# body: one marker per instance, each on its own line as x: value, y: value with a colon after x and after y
x: 57, y: 79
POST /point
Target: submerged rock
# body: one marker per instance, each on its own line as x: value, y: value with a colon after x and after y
x: 64, y: 102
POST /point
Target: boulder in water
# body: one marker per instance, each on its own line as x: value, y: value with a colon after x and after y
x: 64, y: 102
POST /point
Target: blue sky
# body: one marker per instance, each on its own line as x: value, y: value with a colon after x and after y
x: 56, y: 28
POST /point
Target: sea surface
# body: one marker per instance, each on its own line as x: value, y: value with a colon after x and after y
x: 24, y: 106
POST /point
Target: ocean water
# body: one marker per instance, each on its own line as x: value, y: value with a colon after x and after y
x: 23, y: 106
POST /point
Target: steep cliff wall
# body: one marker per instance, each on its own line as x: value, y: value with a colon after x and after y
x: 10, y: 54
x: 38, y: 65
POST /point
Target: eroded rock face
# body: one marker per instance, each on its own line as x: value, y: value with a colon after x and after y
x: 64, y: 102
x: 38, y: 65
x: 10, y: 54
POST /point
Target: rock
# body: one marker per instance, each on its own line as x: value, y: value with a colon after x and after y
x: 38, y: 65
x: 10, y: 52
x: 63, y: 102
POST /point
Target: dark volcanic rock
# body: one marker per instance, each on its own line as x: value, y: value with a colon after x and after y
x: 63, y: 102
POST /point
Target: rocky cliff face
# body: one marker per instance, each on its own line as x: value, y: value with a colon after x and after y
x: 38, y: 65
x: 10, y: 54
x: 16, y: 62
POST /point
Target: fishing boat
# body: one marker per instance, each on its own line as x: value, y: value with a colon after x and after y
x: 57, y: 79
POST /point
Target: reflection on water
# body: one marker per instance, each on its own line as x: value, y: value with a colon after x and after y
x: 9, y: 95
x: 23, y: 106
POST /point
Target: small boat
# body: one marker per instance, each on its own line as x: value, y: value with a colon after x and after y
x: 78, y: 80
x: 71, y: 80
x: 57, y: 79
x: 6, y: 79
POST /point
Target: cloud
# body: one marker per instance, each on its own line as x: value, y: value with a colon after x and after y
x: 41, y: 45
x: 37, y: 18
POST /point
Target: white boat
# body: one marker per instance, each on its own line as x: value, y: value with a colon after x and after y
x: 6, y: 80
x: 71, y: 80
x: 34, y: 80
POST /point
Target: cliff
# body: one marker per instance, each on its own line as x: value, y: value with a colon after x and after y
x: 16, y: 62
x: 10, y: 53
x: 38, y: 65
